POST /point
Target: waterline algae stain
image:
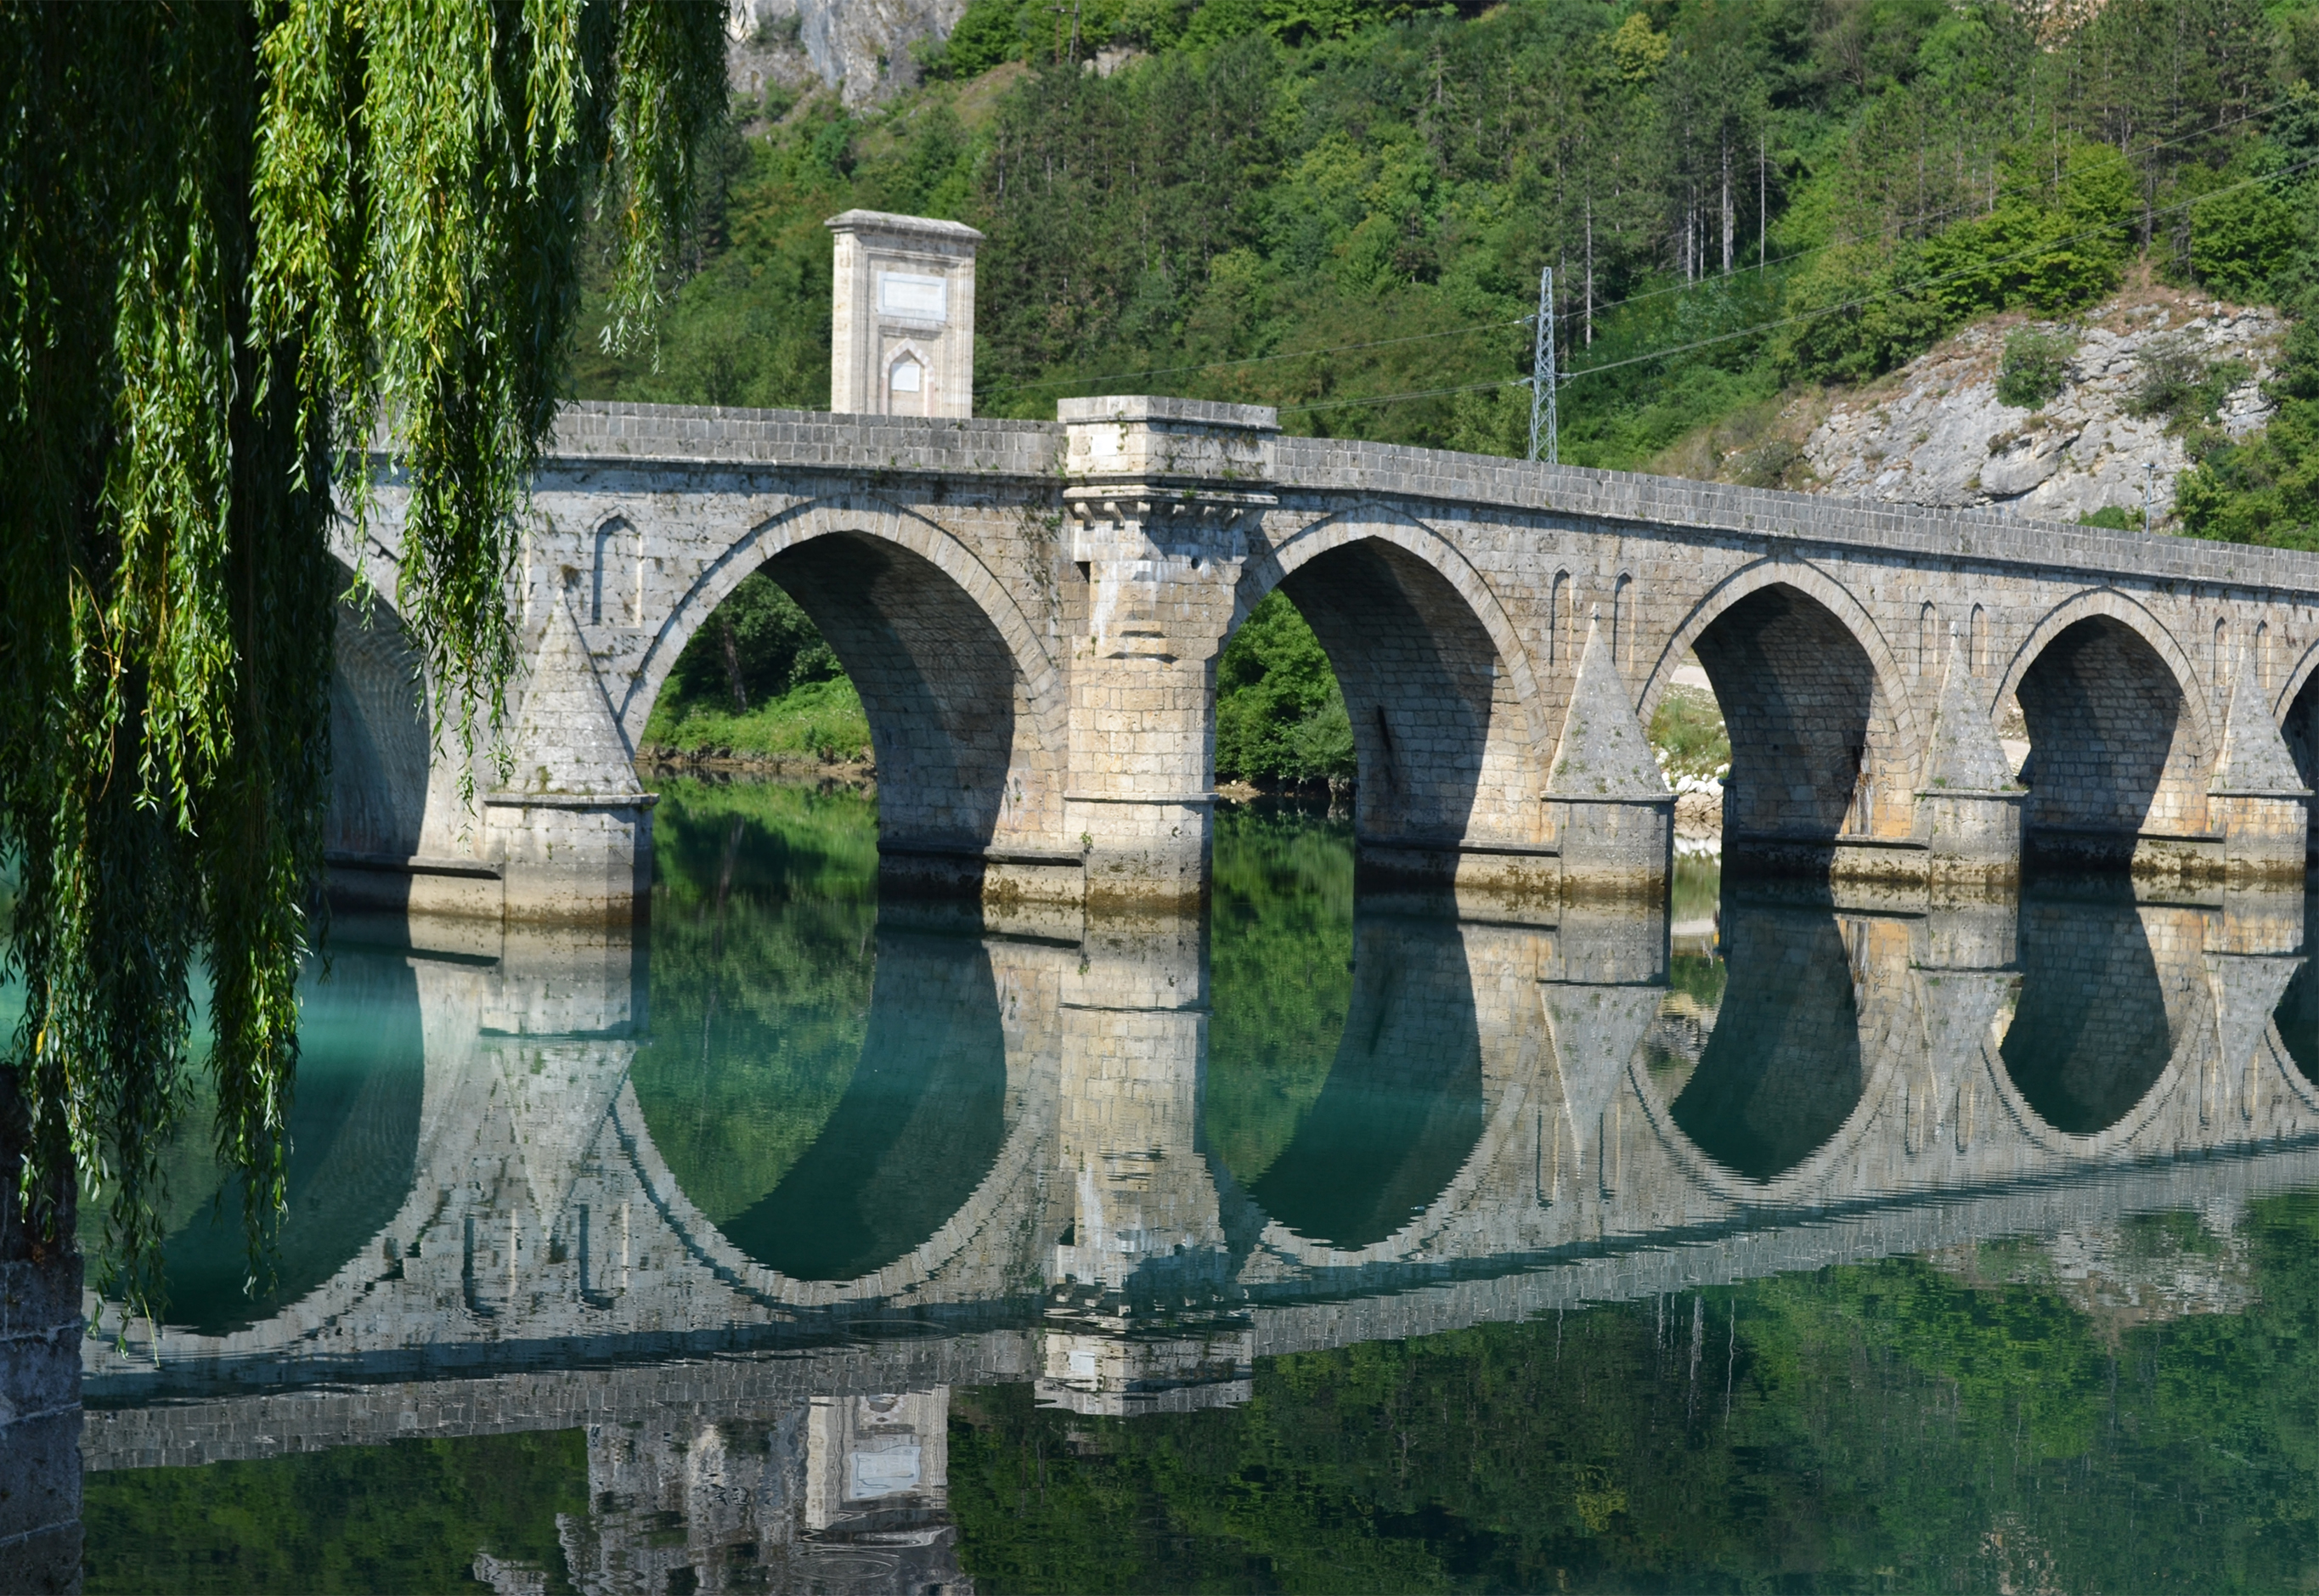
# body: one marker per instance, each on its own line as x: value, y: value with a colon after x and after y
x: 822, y: 1240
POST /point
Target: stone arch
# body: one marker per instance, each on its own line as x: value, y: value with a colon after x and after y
x: 1814, y: 755
x: 1449, y: 727
x: 965, y: 703
x: 2296, y: 708
x: 2120, y: 736
x: 380, y: 744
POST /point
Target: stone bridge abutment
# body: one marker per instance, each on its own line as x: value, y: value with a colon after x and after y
x: 1033, y: 613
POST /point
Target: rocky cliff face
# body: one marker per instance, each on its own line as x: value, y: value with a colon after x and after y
x: 861, y: 47
x: 1934, y: 432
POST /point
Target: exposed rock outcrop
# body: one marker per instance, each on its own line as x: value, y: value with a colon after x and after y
x: 861, y: 47
x: 1936, y: 433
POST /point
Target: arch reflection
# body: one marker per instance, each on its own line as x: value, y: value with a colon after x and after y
x: 918, y: 1128
x: 2297, y: 1013
x: 2091, y: 1033
x: 1781, y: 1069
x: 826, y: 1087
x: 354, y: 1140
x: 1401, y: 1107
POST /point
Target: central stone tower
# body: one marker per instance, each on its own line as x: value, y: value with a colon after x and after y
x: 902, y: 316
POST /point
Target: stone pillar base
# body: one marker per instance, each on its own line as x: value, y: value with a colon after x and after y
x: 572, y: 859
x: 1970, y: 926
x: 2265, y: 919
x: 2266, y: 836
x: 1613, y: 847
x: 1149, y: 852
x: 1970, y: 837
x: 417, y: 886
x: 1495, y: 882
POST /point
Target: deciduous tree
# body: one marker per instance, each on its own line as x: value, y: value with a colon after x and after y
x: 244, y: 247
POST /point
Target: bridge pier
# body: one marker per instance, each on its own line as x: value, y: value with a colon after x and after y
x: 1969, y: 809
x: 1160, y: 504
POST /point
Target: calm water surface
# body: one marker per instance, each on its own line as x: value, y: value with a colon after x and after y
x: 815, y: 1243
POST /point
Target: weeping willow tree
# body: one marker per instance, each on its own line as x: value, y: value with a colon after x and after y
x: 251, y: 253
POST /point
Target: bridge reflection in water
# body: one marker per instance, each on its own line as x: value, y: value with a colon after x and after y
x: 745, y: 1203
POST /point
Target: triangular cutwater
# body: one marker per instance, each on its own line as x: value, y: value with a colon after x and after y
x: 1604, y: 754
x: 2255, y: 758
x: 1965, y: 755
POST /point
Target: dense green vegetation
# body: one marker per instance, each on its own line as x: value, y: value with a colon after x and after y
x: 1688, y: 731
x: 1734, y: 196
x: 759, y: 680
x: 2265, y: 489
x: 821, y: 720
x: 408, y: 1516
x: 1280, y: 718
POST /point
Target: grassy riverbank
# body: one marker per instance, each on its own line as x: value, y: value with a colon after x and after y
x: 821, y: 720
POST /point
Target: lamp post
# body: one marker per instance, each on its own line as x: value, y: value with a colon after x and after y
x: 2149, y: 492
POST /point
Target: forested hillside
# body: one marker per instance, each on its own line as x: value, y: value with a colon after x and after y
x: 1341, y: 207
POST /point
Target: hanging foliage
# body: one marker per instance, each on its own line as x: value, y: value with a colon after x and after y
x: 247, y: 251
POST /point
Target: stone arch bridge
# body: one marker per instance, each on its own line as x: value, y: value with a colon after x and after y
x: 1032, y: 611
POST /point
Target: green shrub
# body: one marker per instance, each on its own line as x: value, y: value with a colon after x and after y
x: 2178, y: 382
x: 1775, y: 463
x: 988, y: 33
x: 1687, y: 730
x: 2115, y: 516
x: 2036, y: 368
x: 2240, y: 240
x: 823, y: 719
x: 773, y: 647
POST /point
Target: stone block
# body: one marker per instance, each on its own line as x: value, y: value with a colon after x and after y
x: 40, y: 1476
x: 37, y: 1298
